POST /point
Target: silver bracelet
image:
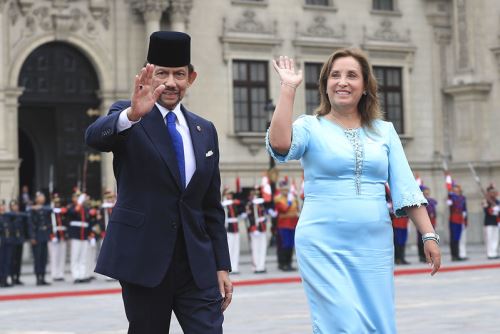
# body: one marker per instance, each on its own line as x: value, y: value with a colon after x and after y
x: 288, y: 84
x: 430, y: 236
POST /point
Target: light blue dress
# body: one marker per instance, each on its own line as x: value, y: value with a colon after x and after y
x: 344, y: 241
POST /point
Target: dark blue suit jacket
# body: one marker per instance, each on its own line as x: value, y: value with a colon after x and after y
x: 151, y: 205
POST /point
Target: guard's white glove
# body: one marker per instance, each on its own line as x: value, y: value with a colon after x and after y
x: 82, y: 198
x: 92, y: 242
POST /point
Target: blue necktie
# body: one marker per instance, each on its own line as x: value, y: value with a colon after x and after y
x: 178, y: 145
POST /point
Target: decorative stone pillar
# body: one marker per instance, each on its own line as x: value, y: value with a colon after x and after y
x: 442, y: 37
x: 469, y: 131
x: 151, y: 11
x: 9, y: 159
x: 179, y: 14
x: 107, y: 174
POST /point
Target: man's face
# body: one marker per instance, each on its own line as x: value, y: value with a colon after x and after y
x: 176, y: 81
x: 40, y: 199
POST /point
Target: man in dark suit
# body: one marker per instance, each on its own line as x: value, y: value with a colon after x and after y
x: 166, y: 242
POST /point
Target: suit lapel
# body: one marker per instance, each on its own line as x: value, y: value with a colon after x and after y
x: 197, y: 135
x: 155, y: 128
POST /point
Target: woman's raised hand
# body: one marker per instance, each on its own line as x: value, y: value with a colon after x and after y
x: 285, y: 68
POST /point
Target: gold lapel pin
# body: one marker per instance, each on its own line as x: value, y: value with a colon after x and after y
x: 198, y: 128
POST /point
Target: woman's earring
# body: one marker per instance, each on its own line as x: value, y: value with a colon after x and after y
x: 364, y: 92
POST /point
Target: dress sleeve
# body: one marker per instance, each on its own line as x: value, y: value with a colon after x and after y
x: 300, y: 139
x: 404, y: 188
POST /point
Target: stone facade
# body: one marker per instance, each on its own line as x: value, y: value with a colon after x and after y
x: 448, y: 52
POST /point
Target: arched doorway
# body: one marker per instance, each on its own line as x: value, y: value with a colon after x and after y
x: 60, y: 93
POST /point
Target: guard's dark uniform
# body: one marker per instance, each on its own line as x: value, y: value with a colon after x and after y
x: 40, y: 228
x: 19, y: 222
x: 6, y: 236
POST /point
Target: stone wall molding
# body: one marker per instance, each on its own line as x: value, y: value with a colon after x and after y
x: 248, y: 34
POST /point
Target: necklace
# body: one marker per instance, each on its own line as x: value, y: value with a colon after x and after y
x: 342, y: 124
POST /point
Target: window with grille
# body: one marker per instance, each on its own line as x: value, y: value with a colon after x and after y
x: 383, y: 4
x: 390, y: 85
x: 250, y: 95
x: 312, y: 71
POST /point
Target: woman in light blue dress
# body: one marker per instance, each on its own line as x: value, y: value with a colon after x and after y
x: 344, y: 239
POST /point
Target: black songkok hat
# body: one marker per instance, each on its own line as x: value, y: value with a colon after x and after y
x: 169, y: 49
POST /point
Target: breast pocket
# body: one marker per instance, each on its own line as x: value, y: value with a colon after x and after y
x: 127, y: 217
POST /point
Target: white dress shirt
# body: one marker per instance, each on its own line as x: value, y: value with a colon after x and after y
x: 181, y: 126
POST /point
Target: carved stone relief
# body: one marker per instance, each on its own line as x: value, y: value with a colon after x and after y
x: 59, y: 16
x: 2, y: 4
x: 320, y: 29
x: 386, y: 33
x: 249, y: 24
x: 179, y: 10
x: 142, y: 6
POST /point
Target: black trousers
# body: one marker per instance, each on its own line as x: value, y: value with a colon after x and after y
x: 148, y: 310
x: 17, y: 255
x: 40, y: 254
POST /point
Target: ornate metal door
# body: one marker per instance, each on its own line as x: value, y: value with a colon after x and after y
x: 60, y: 88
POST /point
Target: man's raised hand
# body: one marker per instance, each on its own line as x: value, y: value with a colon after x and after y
x: 145, y: 94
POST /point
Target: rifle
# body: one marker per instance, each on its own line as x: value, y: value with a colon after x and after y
x: 84, y: 173
x: 477, y: 179
x: 51, y: 194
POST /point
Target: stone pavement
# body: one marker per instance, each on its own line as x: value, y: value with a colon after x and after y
x: 457, y: 302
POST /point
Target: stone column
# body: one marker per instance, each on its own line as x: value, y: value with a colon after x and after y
x: 107, y: 176
x: 9, y: 157
x: 179, y: 14
x: 151, y: 11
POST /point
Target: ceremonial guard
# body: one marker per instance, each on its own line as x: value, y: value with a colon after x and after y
x: 19, y: 222
x: 257, y: 230
x: 96, y: 221
x: 107, y: 208
x: 6, y: 236
x: 25, y: 199
x: 431, y: 210
x: 79, y: 231
x: 40, y: 228
x: 59, y: 237
x: 458, y: 219
x: 109, y: 200
x: 231, y: 206
x: 400, y: 230
x: 491, y: 218
x: 287, y: 207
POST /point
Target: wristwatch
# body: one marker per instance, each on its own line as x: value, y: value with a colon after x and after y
x: 431, y: 236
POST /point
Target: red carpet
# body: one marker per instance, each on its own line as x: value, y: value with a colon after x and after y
x: 263, y: 281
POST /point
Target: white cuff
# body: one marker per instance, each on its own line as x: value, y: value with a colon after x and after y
x: 123, y: 122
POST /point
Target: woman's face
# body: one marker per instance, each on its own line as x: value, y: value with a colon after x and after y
x: 345, y: 84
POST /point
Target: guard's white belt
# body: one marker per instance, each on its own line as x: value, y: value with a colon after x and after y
x: 79, y: 224
x: 60, y: 228
x: 232, y: 220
